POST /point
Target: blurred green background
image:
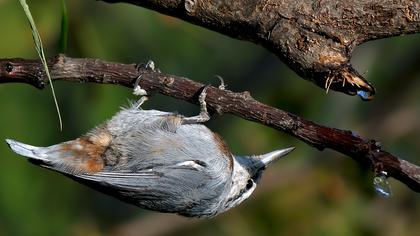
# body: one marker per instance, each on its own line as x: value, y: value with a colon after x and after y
x: 307, y: 193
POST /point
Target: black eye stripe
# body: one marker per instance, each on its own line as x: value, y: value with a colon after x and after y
x: 249, y: 184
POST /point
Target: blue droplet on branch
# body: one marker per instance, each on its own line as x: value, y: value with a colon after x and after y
x: 364, y: 94
x: 381, y: 184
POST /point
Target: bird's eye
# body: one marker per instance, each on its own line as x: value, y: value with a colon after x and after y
x: 249, y: 184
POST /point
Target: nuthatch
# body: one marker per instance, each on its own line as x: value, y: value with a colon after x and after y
x: 158, y: 161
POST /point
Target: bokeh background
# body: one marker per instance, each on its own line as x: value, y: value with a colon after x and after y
x: 307, y: 193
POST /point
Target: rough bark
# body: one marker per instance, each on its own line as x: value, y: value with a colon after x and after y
x: 314, y: 38
x: 366, y: 151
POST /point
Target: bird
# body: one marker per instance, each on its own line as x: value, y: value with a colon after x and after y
x: 156, y: 160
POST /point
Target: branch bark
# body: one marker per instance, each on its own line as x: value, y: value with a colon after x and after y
x: 366, y: 151
x: 314, y: 38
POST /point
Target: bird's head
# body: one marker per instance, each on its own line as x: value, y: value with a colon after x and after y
x: 247, y: 171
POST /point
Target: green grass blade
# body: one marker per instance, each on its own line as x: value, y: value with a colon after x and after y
x: 40, y: 50
x: 64, y: 27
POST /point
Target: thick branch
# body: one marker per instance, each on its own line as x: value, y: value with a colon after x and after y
x: 314, y: 38
x: 365, y: 151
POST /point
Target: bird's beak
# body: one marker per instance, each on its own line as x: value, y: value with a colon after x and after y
x: 268, y: 158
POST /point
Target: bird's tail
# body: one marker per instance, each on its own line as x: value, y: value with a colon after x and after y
x: 32, y: 152
x: 75, y: 156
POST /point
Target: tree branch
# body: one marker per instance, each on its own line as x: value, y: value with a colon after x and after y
x: 314, y: 38
x: 365, y: 151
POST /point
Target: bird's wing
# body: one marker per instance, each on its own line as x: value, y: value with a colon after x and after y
x: 187, y: 182
x: 183, y: 173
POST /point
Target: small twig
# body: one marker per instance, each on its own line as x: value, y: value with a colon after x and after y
x: 365, y: 151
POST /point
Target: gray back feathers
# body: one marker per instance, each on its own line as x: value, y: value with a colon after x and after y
x: 172, y: 167
x: 153, y: 160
